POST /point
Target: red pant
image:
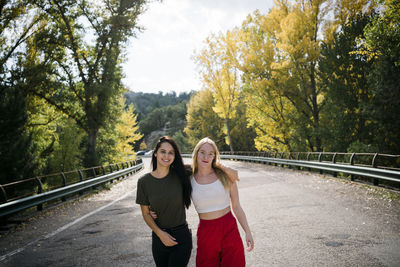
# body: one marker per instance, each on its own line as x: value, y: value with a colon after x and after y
x: 219, y: 243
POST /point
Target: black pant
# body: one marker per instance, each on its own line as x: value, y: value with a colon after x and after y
x: 175, y: 256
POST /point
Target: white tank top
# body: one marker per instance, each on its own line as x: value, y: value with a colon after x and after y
x: 209, y: 197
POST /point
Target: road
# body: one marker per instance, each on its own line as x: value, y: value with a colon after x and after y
x: 297, y: 219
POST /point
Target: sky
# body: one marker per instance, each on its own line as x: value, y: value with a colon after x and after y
x: 160, y: 57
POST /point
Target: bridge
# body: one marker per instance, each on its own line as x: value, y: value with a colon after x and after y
x: 297, y: 219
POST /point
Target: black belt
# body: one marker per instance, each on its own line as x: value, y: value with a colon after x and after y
x: 176, y: 228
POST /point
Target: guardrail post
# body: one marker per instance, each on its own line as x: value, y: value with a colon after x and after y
x: 111, y: 170
x: 40, y: 190
x: 4, y: 194
x: 94, y: 176
x: 262, y: 155
x: 103, y: 170
x: 308, y: 159
x: 123, y: 167
x: 334, y: 162
x: 376, y: 181
x: 319, y: 160
x: 80, y: 179
x: 297, y: 158
x: 119, y: 177
x: 64, y: 184
x: 290, y: 154
x: 352, y: 163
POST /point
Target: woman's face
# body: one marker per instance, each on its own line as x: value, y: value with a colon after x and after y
x: 165, y: 155
x: 205, y: 156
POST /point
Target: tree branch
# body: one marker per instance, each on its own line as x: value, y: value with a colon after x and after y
x: 61, y: 108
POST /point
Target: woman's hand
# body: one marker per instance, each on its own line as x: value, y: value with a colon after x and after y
x: 167, y: 239
x: 249, y: 241
x: 232, y: 173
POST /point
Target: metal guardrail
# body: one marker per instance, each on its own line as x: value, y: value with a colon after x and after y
x: 17, y: 205
x: 362, y: 169
x: 376, y: 173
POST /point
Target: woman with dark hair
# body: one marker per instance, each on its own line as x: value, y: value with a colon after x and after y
x: 167, y: 189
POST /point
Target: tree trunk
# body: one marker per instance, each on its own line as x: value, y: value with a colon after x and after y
x: 91, y: 157
x: 228, y: 133
x: 315, y: 110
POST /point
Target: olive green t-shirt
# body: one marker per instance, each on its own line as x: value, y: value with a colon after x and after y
x: 164, y: 196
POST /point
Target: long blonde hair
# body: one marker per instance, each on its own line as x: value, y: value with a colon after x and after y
x: 222, y: 176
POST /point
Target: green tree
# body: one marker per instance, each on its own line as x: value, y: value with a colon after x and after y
x: 243, y: 135
x: 67, y: 149
x: 382, y: 39
x: 344, y: 76
x: 17, y: 158
x: 16, y: 148
x: 44, y: 124
x: 78, y: 75
x: 155, y: 120
x: 176, y: 117
x: 182, y: 141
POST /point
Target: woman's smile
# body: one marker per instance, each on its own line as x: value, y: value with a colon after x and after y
x: 165, y: 154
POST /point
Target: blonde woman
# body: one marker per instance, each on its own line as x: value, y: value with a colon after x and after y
x: 214, y: 195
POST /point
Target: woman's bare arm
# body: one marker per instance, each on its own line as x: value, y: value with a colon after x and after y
x: 166, y: 238
x: 241, y: 216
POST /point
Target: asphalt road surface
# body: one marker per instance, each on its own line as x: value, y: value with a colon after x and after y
x: 297, y: 219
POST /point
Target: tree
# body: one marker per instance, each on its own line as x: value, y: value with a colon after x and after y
x: 344, y: 76
x: 243, y: 135
x: 16, y: 25
x: 46, y: 125
x: 382, y: 38
x: 202, y: 121
x: 67, y: 152
x: 143, y: 145
x: 182, y: 142
x: 17, y: 158
x: 269, y: 112
x: 78, y: 75
x: 280, y: 53
x: 220, y: 74
x: 127, y: 135
x: 297, y: 51
x: 155, y: 120
x: 176, y: 117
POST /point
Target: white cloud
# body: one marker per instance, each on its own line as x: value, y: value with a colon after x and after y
x: 160, y: 58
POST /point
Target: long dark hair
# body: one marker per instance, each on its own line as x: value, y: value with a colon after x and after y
x: 177, y: 167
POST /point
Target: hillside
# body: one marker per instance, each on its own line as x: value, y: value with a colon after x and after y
x: 160, y: 114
